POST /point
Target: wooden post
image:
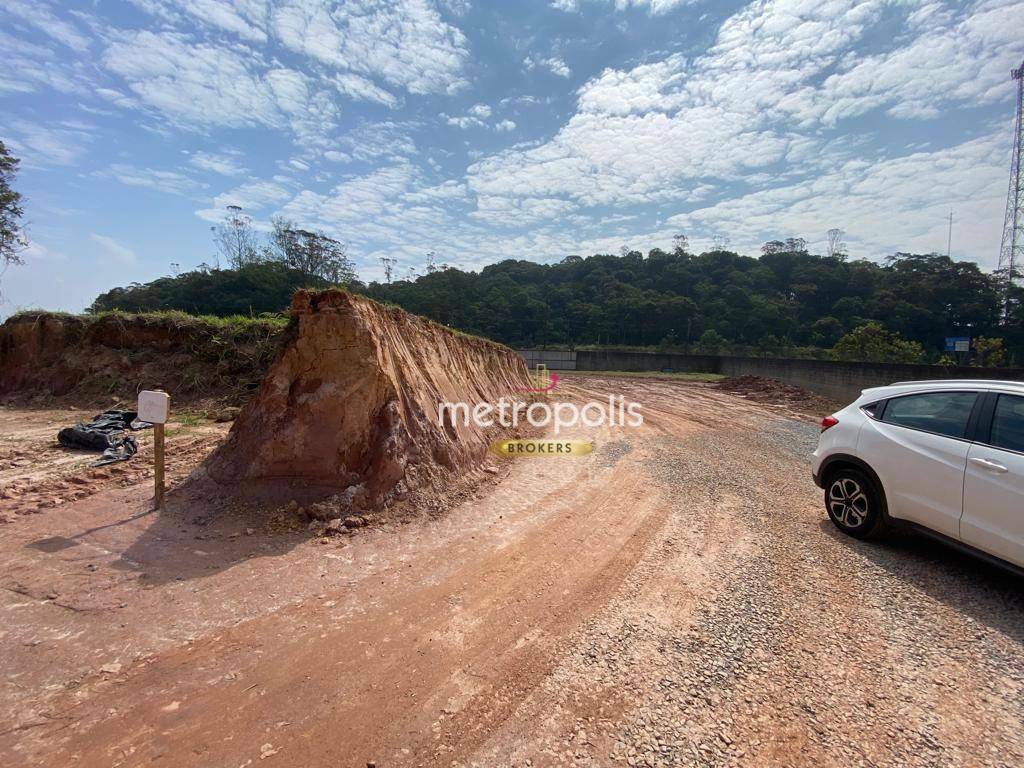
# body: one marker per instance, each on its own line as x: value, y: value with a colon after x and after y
x: 154, y: 407
x: 158, y: 460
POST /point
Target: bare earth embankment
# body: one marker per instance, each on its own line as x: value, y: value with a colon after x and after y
x: 674, y: 598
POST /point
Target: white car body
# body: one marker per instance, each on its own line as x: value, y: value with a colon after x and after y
x: 966, y: 489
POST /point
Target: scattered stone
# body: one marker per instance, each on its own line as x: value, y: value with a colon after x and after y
x: 229, y: 413
x: 334, y: 527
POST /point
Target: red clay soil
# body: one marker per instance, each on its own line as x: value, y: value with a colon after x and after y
x: 352, y: 402
x: 49, y: 358
x: 774, y: 392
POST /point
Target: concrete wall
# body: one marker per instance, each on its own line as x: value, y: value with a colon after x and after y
x: 844, y: 381
x: 554, y: 359
x: 839, y: 380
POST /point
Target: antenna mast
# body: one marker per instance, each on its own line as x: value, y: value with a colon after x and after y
x: 1011, y: 250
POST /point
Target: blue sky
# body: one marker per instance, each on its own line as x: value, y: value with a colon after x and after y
x: 488, y: 130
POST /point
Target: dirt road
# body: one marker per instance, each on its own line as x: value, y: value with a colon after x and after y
x: 674, y: 598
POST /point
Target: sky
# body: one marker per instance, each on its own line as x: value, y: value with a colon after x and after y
x: 481, y: 131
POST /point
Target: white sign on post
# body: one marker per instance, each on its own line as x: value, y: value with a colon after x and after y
x: 154, y: 406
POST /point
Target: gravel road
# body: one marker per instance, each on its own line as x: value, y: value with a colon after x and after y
x: 675, y: 598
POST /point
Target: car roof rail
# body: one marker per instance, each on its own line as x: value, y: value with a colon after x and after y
x: 1011, y: 382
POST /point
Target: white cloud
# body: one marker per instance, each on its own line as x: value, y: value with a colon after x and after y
x: 113, y: 249
x: 372, y: 141
x: 245, y: 18
x: 945, y: 63
x: 403, y: 42
x: 361, y: 88
x: 361, y: 200
x: 226, y: 163
x: 555, y: 64
x: 195, y: 83
x: 899, y: 203
x: 516, y: 212
x: 464, y: 121
x: 337, y: 157
x: 778, y: 74
x: 653, y: 6
x: 38, y: 15
x: 170, y: 182
x: 477, y: 116
x: 253, y: 196
x: 199, y: 84
x: 27, y: 67
x: 44, y: 146
x: 446, y: 191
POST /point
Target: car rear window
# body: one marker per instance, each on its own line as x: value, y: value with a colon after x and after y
x: 944, y: 413
x: 1008, y: 423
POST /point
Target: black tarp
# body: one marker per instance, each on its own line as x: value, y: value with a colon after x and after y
x: 107, y: 433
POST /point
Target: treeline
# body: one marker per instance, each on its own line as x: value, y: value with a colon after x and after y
x: 719, y: 300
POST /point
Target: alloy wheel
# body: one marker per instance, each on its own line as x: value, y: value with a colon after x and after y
x: 847, y: 502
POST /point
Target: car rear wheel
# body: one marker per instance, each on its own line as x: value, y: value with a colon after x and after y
x: 854, y: 504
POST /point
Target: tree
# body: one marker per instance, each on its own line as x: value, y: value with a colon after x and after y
x: 989, y: 353
x: 12, y: 235
x: 836, y: 247
x: 234, y: 238
x: 872, y: 343
x: 711, y: 341
x: 313, y: 253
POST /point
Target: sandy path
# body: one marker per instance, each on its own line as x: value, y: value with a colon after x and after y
x: 674, y: 598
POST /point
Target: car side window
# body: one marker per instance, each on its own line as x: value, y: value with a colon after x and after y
x: 944, y: 413
x: 1008, y: 423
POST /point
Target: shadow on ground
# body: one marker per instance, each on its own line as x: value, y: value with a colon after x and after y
x: 192, y: 538
x: 991, y: 595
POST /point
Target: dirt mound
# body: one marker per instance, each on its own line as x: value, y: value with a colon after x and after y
x: 352, y: 402
x: 774, y: 392
x: 93, y: 359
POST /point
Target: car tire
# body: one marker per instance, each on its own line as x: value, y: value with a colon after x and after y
x: 854, y: 504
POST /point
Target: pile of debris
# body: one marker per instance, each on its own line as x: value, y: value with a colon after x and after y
x: 774, y: 392
x: 108, y: 433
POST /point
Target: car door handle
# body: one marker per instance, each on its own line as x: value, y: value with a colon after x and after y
x: 991, y: 466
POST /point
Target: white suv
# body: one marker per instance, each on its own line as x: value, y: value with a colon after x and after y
x: 945, y: 457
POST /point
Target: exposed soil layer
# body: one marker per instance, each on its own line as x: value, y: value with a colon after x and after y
x: 352, y: 402
x: 774, y: 392
x: 48, y: 358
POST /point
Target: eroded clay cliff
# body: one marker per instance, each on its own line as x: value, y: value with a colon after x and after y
x: 352, y: 401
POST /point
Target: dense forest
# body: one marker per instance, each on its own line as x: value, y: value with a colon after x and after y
x: 783, y: 302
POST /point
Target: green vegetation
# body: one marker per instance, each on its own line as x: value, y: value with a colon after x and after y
x: 872, y: 343
x: 263, y: 287
x: 690, y: 376
x: 788, y: 302
x: 12, y: 235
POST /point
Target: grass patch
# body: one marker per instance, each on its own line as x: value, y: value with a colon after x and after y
x: 680, y: 376
x: 189, y: 418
